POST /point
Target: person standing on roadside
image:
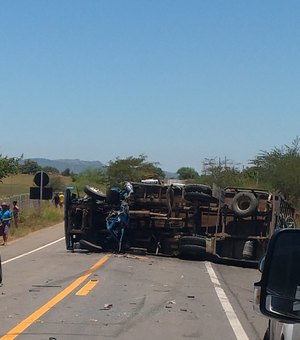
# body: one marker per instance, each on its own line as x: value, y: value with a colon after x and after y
x: 56, y: 200
x: 61, y: 199
x: 15, y: 213
x: 5, y: 219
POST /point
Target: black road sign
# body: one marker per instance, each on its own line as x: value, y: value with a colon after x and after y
x: 41, y: 178
x: 35, y: 193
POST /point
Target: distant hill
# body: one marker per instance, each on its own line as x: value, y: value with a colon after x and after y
x: 75, y: 165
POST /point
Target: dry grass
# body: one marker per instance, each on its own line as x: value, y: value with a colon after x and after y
x: 31, y: 219
x: 36, y: 219
x: 20, y: 184
x: 16, y: 185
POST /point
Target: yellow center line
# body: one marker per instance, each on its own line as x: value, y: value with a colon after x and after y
x: 87, y: 288
x: 17, y: 330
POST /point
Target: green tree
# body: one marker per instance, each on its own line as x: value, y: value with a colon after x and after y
x: 8, y: 166
x: 66, y: 172
x: 132, y: 169
x: 92, y: 177
x: 250, y: 178
x: 29, y: 167
x: 186, y: 173
x: 222, y: 173
x: 51, y: 170
x: 56, y: 183
x: 280, y: 169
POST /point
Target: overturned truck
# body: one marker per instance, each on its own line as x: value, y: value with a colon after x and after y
x: 229, y: 224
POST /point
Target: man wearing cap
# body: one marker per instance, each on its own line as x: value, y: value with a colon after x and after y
x: 5, y: 217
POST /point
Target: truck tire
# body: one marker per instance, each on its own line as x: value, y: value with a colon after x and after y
x: 192, y: 240
x: 192, y: 249
x: 94, y: 193
x: 199, y: 197
x: 206, y: 189
x: 244, y: 204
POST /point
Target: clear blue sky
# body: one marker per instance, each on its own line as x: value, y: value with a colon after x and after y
x: 177, y: 81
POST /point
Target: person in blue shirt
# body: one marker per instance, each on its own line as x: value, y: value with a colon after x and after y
x: 5, y: 218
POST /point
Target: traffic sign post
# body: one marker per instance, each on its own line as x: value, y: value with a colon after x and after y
x: 41, y: 179
x: 41, y: 188
x: 35, y: 193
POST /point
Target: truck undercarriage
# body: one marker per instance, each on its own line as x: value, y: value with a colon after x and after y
x: 230, y: 224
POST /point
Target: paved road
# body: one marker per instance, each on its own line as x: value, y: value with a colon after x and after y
x: 49, y: 292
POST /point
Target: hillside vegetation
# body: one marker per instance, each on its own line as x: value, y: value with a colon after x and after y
x: 20, y: 184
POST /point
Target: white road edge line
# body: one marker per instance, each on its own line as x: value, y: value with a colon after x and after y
x: 33, y: 251
x: 231, y: 316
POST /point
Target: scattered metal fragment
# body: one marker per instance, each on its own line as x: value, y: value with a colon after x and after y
x: 107, y: 306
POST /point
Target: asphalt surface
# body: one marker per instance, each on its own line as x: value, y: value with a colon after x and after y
x: 49, y: 293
